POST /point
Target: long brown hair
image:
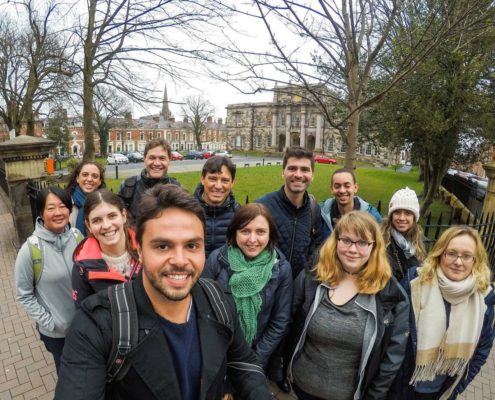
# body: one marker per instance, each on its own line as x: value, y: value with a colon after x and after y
x: 105, y: 196
x: 414, y: 235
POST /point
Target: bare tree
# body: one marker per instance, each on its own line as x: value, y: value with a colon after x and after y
x: 34, y: 65
x: 121, y: 37
x: 197, y: 110
x: 108, y: 105
x: 331, y: 48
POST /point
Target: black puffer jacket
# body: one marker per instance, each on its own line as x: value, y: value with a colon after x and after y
x: 132, y: 188
x: 217, y: 219
x: 276, y: 300
x: 398, y: 260
x: 295, y: 238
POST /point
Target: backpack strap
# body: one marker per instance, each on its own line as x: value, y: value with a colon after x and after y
x: 218, y: 302
x: 77, y: 235
x: 223, y: 314
x: 34, y: 244
x: 125, y: 329
x: 314, y: 216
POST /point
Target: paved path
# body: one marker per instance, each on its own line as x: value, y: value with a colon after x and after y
x: 27, y: 370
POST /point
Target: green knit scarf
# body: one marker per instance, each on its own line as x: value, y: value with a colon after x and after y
x: 246, y: 283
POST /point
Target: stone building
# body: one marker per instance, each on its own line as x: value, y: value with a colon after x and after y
x: 291, y: 119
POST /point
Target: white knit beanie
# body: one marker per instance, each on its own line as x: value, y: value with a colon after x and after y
x: 404, y: 199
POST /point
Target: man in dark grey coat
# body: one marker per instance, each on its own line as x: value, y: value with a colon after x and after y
x: 215, y: 195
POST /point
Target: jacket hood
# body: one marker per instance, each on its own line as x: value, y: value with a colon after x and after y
x: 89, y: 248
x: 326, y: 208
x: 229, y: 202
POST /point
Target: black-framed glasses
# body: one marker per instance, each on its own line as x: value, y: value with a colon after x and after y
x: 452, y: 256
x: 360, y: 244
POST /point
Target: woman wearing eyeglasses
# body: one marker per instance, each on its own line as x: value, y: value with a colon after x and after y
x: 352, y: 316
x: 452, y: 318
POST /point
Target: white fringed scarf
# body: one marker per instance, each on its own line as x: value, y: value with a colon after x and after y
x: 442, y: 350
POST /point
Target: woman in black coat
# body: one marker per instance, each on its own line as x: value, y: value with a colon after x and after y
x: 258, y: 276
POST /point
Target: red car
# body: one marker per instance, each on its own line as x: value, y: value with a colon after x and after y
x: 176, y: 156
x: 323, y: 159
x: 208, y: 154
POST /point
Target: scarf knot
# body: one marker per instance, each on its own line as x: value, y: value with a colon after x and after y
x: 247, y: 281
x: 79, y: 197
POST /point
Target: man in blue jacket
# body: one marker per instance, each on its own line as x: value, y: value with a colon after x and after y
x: 344, y: 188
x: 215, y: 195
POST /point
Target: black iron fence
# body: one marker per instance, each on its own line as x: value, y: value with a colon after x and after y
x: 3, y: 178
x: 467, y: 190
x: 483, y: 223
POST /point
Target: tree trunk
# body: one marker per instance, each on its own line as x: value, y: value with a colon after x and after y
x: 351, y: 140
x: 88, y: 86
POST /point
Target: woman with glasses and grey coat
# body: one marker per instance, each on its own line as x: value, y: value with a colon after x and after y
x: 352, y: 317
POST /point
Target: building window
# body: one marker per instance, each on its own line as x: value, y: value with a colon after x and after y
x: 312, y: 120
x: 282, y: 119
x: 342, y: 148
x: 330, y: 144
x: 118, y: 148
x: 294, y: 120
x: 238, y: 141
x: 368, y: 149
x: 141, y: 135
x: 268, y: 120
x: 269, y: 141
x: 257, y: 141
x: 128, y: 135
x: 119, y: 136
x: 237, y: 118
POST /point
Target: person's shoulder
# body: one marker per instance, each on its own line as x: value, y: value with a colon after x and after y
x: 392, y: 292
x: 490, y: 296
x: 267, y: 197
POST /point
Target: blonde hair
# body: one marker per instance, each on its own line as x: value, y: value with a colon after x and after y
x: 481, y: 270
x: 414, y: 235
x: 375, y: 274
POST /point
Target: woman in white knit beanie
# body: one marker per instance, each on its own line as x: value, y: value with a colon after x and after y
x: 402, y: 233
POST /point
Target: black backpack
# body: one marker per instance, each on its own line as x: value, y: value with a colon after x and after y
x: 125, y: 329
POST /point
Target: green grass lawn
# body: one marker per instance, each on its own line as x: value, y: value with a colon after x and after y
x: 374, y: 184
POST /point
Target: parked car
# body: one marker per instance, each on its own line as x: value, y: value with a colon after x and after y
x: 224, y: 153
x: 117, y: 158
x: 135, y: 157
x: 208, y: 154
x: 176, y: 156
x: 194, y: 155
x: 323, y: 159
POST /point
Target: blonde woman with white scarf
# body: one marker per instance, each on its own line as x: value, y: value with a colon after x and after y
x: 452, y: 319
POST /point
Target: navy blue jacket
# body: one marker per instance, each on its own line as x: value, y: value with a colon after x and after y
x: 401, y: 388
x: 276, y: 300
x: 295, y: 237
x: 217, y: 219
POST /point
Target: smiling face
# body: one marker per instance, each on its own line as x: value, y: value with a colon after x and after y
x: 173, y: 254
x: 107, y: 224
x: 217, y: 186
x: 55, y: 215
x: 458, y: 270
x: 344, y: 188
x: 254, y: 237
x: 297, y: 175
x: 353, y: 257
x: 156, y: 162
x: 89, y: 178
x: 402, y: 220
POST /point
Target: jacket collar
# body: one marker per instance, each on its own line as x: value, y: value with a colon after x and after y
x: 154, y: 363
x: 229, y: 202
x: 289, y: 203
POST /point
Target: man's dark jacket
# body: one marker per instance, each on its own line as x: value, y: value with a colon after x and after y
x: 132, y: 188
x: 217, y: 219
x: 295, y: 238
x: 151, y: 375
x: 276, y: 300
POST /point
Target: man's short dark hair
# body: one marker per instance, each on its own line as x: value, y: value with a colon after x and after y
x: 160, y: 197
x: 298, y: 152
x: 342, y: 171
x: 214, y: 165
x: 158, y: 142
x: 55, y: 190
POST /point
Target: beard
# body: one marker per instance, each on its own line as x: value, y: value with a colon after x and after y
x: 169, y: 292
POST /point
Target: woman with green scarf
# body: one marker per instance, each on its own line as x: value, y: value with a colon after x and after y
x: 258, y: 276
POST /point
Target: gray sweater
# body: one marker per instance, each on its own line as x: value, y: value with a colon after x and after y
x: 49, y: 301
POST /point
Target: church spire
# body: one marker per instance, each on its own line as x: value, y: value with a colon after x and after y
x: 165, y: 113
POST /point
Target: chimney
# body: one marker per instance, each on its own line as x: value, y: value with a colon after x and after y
x: 185, y: 120
x: 209, y: 120
x: 220, y: 121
